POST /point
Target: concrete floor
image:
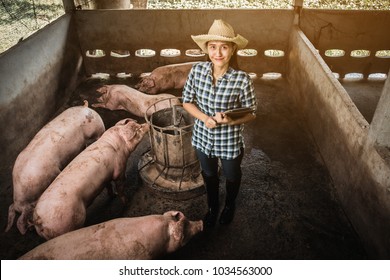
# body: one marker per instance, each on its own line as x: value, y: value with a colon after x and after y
x: 286, y: 209
x: 365, y: 94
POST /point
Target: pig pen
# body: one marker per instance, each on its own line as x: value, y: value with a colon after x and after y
x: 287, y: 207
x: 292, y: 204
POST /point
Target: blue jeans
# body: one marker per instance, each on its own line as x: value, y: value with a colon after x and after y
x: 231, y: 168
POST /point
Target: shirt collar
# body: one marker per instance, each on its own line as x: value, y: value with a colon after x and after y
x: 227, y: 75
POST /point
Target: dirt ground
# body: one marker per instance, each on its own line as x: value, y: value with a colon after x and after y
x: 286, y: 209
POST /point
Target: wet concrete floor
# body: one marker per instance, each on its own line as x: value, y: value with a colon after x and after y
x: 286, y: 209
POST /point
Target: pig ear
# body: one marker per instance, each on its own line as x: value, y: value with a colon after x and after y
x: 173, y: 213
x: 177, y: 231
x: 121, y: 122
x: 102, y: 90
x: 125, y: 121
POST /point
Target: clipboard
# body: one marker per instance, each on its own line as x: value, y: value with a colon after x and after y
x: 239, y: 112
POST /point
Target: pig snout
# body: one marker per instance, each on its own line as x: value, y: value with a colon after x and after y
x: 140, y: 131
x: 191, y: 228
x: 181, y: 229
x: 131, y: 130
x: 144, y: 128
x: 146, y: 85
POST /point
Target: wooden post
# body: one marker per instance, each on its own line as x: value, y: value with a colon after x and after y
x: 297, y: 8
x: 139, y: 4
x: 298, y: 3
x: 68, y: 6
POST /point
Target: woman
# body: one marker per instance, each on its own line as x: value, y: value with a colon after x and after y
x: 212, y: 88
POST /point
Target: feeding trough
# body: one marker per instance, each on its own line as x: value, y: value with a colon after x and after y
x: 171, y: 167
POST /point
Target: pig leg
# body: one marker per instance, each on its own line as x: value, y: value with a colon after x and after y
x: 120, y: 187
x: 111, y: 190
x: 23, y: 222
x: 73, y: 219
x: 11, y: 217
x: 115, y: 188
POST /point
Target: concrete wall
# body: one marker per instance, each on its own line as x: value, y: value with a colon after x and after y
x: 348, y: 31
x: 360, y: 174
x: 36, y: 77
x: 38, y: 74
x: 380, y: 128
x: 159, y: 29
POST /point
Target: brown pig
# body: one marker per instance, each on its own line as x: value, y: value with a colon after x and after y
x: 122, y: 97
x: 138, y: 238
x: 52, y: 148
x: 172, y: 76
x: 62, y: 207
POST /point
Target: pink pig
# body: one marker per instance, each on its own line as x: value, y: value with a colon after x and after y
x: 172, y: 76
x: 146, y: 237
x: 52, y: 148
x: 62, y: 207
x: 122, y: 97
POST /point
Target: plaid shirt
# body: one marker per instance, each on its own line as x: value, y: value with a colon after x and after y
x: 233, y: 90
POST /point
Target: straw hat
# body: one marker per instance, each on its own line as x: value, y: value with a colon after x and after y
x: 219, y: 31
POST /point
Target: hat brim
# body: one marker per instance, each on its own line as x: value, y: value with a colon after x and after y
x: 201, y: 40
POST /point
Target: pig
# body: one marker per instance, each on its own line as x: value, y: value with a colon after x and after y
x: 122, y: 97
x: 52, y: 148
x: 137, y: 238
x: 62, y: 207
x: 172, y: 76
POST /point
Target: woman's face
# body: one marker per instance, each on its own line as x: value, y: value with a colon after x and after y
x: 220, y: 52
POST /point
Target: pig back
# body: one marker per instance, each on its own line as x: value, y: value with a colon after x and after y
x: 171, y: 76
x: 120, y: 238
x: 57, y: 143
x: 145, y: 237
x: 51, y: 149
x: 62, y: 207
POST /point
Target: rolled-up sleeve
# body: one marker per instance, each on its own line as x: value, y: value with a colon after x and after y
x: 248, y: 97
x: 189, y: 90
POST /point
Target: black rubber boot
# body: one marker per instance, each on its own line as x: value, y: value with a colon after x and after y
x: 212, y: 189
x: 227, y: 215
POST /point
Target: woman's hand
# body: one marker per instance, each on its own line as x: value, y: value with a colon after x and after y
x: 210, y: 122
x: 222, y: 118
